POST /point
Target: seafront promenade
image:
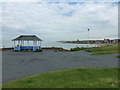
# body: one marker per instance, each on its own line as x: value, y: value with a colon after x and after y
x: 17, y: 65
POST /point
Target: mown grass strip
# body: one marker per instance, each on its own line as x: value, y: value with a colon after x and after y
x: 74, y: 78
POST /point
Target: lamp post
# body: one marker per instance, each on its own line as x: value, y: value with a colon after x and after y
x: 88, y: 35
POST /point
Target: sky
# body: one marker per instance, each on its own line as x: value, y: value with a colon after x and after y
x: 56, y: 20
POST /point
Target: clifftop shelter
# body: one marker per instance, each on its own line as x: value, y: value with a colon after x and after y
x: 20, y: 43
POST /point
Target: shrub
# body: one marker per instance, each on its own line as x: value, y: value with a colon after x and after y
x: 88, y: 50
x: 118, y: 56
x: 39, y: 50
x: 77, y: 49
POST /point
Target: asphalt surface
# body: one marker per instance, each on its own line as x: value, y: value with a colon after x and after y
x: 17, y: 65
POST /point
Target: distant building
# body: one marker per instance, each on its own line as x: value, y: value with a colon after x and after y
x: 19, y: 43
x: 106, y: 40
x: 116, y: 41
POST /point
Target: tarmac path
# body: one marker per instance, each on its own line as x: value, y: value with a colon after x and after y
x: 17, y: 65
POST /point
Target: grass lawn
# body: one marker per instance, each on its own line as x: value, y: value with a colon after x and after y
x: 108, y: 49
x: 74, y: 78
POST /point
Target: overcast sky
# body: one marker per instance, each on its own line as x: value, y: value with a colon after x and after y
x: 54, y: 21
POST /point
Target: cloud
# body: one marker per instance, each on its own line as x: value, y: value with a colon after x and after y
x: 57, y: 1
x: 60, y: 21
x: 20, y: 0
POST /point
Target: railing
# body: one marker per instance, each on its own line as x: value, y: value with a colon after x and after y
x: 27, y: 48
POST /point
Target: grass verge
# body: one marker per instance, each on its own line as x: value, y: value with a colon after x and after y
x: 107, y: 49
x: 74, y: 78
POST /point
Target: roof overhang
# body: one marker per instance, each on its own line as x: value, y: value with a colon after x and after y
x: 27, y: 38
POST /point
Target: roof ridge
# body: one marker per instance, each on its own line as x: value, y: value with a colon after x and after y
x: 27, y: 37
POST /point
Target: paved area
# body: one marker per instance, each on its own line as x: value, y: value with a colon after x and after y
x: 16, y: 65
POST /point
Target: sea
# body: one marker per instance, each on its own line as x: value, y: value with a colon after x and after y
x: 67, y: 46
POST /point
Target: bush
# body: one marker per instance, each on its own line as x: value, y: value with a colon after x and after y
x: 77, y: 49
x: 118, y: 56
x: 39, y: 50
x: 88, y: 50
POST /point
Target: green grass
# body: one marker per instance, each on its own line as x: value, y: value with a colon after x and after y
x: 74, y: 78
x: 107, y: 49
x: 0, y: 86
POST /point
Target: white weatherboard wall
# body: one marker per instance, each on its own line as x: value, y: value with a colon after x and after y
x: 0, y: 63
x: 0, y: 52
x: 0, y: 70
